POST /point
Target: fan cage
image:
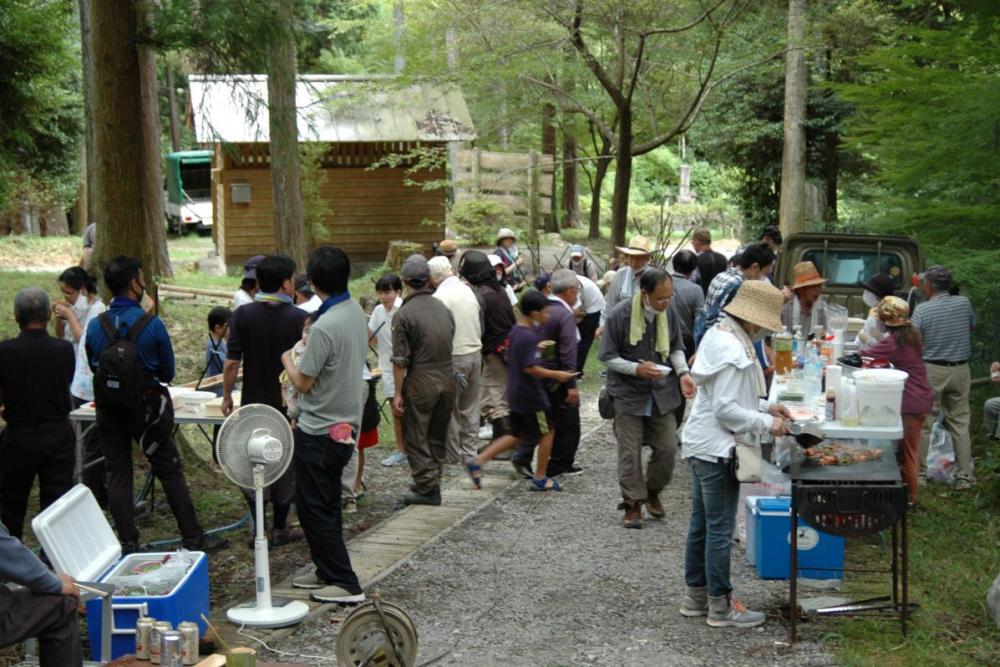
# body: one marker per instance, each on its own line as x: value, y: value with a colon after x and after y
x: 236, y: 431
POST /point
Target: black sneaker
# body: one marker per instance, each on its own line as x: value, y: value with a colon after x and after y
x: 523, y: 469
x: 206, y: 543
x: 573, y: 471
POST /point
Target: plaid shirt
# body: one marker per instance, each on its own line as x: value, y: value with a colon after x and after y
x: 723, y: 287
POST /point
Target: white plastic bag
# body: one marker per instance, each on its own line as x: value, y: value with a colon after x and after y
x: 941, y: 455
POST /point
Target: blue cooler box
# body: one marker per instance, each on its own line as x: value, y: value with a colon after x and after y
x: 769, y: 538
x: 79, y: 541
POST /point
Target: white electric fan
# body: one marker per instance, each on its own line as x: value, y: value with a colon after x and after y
x: 254, y: 449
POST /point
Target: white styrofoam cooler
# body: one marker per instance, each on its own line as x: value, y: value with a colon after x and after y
x: 80, y: 542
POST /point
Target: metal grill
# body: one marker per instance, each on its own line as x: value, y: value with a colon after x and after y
x: 851, y: 510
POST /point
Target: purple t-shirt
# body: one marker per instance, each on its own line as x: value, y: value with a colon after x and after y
x: 918, y: 397
x: 525, y: 394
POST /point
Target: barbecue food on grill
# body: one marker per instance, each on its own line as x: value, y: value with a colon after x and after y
x: 840, y: 453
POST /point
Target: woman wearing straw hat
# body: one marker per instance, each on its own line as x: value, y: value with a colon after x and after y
x: 807, y: 308
x: 625, y: 283
x: 726, y: 413
x: 510, y: 256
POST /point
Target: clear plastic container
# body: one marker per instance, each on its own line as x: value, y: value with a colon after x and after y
x: 847, y: 405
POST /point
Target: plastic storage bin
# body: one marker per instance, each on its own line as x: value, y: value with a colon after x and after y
x: 880, y: 395
x: 769, y: 537
x: 79, y: 541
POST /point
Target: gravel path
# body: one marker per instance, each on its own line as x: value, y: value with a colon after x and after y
x: 554, y: 579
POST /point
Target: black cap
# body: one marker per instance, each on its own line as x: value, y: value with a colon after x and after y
x: 880, y: 284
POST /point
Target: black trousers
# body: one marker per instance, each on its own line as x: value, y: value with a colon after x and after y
x: 95, y: 475
x: 588, y: 329
x: 152, y: 430
x: 46, y: 451
x: 566, y: 423
x: 319, y: 463
x: 50, y: 618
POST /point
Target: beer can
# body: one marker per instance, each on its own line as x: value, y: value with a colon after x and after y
x: 189, y: 642
x: 156, y: 639
x: 143, y: 630
x: 170, y: 649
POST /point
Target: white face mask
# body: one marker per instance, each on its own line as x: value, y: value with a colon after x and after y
x: 870, y: 299
x: 81, y: 305
x: 513, y: 251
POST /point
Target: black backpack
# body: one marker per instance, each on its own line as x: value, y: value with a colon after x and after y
x: 119, y: 380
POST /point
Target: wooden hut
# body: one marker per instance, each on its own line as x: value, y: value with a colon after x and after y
x: 359, y: 121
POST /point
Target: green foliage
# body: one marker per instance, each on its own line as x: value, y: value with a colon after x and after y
x: 316, y: 211
x: 927, y: 119
x: 40, y: 104
x: 478, y: 220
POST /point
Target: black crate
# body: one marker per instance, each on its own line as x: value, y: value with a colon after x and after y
x: 850, y: 510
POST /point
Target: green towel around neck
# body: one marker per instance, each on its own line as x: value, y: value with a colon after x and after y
x: 637, y: 326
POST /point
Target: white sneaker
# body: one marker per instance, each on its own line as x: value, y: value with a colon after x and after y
x: 486, y: 432
x: 394, y: 459
x: 336, y: 594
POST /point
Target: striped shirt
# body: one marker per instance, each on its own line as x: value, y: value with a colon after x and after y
x: 723, y: 287
x: 946, y: 322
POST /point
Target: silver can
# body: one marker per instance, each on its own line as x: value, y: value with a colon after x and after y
x: 143, y: 632
x: 170, y: 649
x: 189, y: 642
x: 156, y: 639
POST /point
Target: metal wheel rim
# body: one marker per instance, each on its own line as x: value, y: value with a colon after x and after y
x: 362, y: 631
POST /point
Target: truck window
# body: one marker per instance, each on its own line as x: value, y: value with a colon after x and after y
x: 848, y: 267
x: 196, y: 179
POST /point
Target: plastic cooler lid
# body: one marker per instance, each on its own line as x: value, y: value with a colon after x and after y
x: 76, y: 537
x: 781, y: 504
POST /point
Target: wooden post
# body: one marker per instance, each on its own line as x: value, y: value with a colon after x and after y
x: 533, y: 217
x: 474, y: 166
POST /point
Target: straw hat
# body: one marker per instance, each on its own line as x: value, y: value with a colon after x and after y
x: 758, y: 302
x: 805, y: 274
x: 506, y: 233
x: 448, y: 247
x: 637, y: 245
x: 893, y: 312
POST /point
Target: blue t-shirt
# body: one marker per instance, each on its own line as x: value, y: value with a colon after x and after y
x: 525, y: 394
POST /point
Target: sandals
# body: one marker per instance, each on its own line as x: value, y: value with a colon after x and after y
x: 544, y: 484
x: 475, y: 472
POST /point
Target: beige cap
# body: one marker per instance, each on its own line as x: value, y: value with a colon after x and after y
x: 448, y: 247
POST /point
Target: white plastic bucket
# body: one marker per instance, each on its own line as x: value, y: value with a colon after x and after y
x: 880, y: 395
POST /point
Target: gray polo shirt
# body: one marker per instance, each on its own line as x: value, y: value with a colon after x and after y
x: 335, y: 355
x: 946, y: 322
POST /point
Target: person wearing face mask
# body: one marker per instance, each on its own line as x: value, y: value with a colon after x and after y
x: 647, y: 372
x: 72, y: 319
x: 875, y: 289
x: 510, y: 257
x: 729, y: 410
x: 754, y: 263
x: 807, y: 309
x: 151, y: 422
x: 625, y: 283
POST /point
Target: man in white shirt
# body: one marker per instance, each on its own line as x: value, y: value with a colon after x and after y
x: 248, y: 286
x: 590, y: 303
x: 467, y: 346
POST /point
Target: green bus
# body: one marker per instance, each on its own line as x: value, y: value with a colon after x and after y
x: 188, y: 193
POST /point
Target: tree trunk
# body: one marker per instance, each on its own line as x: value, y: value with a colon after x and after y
x: 85, y: 208
x: 792, y: 213
x: 623, y: 178
x: 549, y: 153
x: 570, y: 185
x: 52, y: 221
x: 600, y: 171
x: 80, y: 216
x: 398, y: 35
x: 175, y: 128
x: 129, y: 159
x: 286, y: 187
x: 152, y: 170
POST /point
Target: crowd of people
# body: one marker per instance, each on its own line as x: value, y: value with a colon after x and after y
x: 466, y: 344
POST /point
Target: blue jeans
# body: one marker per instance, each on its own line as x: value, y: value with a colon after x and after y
x: 715, y: 495
x: 319, y: 463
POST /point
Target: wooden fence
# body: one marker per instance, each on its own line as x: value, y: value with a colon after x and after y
x: 523, y: 182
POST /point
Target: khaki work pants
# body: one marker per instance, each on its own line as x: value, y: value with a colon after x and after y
x: 493, y: 388
x: 463, y: 431
x: 427, y: 402
x: 660, y: 433
x: 951, y: 397
x: 991, y: 417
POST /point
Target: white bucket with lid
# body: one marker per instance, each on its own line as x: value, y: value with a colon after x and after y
x: 880, y: 395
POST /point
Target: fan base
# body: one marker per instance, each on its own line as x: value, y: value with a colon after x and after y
x: 275, y: 617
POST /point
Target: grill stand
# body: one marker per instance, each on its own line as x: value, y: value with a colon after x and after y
x: 900, y: 569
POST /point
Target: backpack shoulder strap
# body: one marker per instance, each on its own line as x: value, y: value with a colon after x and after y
x: 138, y: 326
x: 106, y: 324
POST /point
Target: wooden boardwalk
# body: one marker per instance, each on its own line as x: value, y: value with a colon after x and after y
x: 387, y: 545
